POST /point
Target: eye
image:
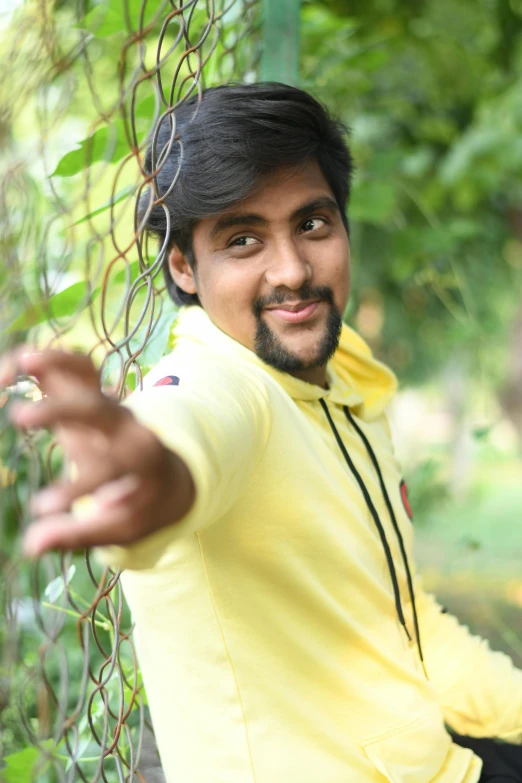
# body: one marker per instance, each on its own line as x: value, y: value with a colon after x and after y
x: 312, y: 224
x: 243, y: 242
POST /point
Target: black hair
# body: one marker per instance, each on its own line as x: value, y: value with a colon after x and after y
x: 209, y: 155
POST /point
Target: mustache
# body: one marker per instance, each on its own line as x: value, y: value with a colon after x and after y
x: 306, y: 292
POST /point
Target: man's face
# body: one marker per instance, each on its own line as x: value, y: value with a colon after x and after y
x: 274, y: 272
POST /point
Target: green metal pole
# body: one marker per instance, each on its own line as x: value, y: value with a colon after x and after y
x: 280, y: 58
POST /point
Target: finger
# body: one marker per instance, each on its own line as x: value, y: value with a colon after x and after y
x: 88, y: 409
x: 59, y: 497
x: 112, y: 526
x: 10, y: 364
x: 53, y: 368
x: 122, y: 490
x: 59, y: 370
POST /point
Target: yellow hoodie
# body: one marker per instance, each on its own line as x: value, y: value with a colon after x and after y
x: 268, y: 620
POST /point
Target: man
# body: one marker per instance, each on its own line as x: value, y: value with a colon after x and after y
x: 251, y: 489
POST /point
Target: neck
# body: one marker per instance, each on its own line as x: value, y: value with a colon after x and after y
x: 315, y: 375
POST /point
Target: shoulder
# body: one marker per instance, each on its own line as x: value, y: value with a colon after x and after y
x: 196, y: 371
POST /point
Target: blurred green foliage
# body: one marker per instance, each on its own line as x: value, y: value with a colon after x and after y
x: 433, y: 95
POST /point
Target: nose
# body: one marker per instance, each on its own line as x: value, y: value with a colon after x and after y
x: 288, y: 267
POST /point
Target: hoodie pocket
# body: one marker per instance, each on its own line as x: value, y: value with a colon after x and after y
x: 413, y: 753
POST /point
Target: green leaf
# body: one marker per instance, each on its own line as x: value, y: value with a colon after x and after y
x: 68, y: 301
x: 63, y: 304
x: 158, y: 343
x: 21, y: 766
x: 144, y: 110
x: 106, y: 205
x: 121, y: 276
x: 55, y: 588
x: 107, y: 143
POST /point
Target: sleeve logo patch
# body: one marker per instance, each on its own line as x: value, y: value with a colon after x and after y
x: 168, y: 380
x: 405, y: 501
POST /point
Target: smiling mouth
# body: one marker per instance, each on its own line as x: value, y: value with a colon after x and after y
x: 294, y: 312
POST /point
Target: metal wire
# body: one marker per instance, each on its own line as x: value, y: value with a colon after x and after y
x: 79, y: 272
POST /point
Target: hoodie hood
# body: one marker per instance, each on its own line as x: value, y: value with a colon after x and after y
x: 355, y: 378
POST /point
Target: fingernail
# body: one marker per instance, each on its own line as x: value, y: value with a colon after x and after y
x: 27, y: 356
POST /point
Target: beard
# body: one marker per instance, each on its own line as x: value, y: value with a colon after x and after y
x: 271, y: 350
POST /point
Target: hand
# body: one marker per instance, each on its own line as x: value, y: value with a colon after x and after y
x: 136, y: 485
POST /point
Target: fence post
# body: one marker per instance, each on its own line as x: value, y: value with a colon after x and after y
x: 280, y: 58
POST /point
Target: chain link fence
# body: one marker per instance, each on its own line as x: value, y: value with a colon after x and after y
x: 84, y: 87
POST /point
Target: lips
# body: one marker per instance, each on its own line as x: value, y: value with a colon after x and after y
x: 294, y: 313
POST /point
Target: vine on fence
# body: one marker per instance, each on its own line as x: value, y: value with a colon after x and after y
x: 84, y: 86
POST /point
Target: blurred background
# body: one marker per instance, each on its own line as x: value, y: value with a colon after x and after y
x: 432, y: 93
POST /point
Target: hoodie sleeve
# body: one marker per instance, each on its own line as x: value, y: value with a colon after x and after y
x: 480, y: 691
x: 219, y: 432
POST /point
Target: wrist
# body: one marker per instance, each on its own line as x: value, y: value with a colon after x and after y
x: 182, y: 490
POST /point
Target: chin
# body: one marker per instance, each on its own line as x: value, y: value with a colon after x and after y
x: 306, y: 360
x: 307, y: 354
x: 300, y: 351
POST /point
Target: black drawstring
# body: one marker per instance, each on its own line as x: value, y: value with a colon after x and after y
x: 391, y: 512
x: 375, y: 516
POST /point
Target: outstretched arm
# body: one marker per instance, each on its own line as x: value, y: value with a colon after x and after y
x: 167, y: 463
x: 136, y: 485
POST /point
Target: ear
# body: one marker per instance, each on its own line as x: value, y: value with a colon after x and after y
x: 181, y: 271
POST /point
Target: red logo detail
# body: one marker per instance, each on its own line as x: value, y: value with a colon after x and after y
x: 406, y: 502
x: 169, y: 380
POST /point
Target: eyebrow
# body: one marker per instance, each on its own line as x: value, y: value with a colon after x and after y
x: 252, y: 219
x: 323, y: 202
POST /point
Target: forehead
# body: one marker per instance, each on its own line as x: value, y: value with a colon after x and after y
x: 286, y: 189
x: 277, y: 196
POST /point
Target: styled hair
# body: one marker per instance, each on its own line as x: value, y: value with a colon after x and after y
x: 218, y: 150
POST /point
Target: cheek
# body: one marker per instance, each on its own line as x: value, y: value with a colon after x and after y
x: 346, y: 273
x: 228, y: 297
x: 228, y: 290
x: 338, y: 271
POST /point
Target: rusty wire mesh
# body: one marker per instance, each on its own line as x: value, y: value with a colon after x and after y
x: 79, y: 272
